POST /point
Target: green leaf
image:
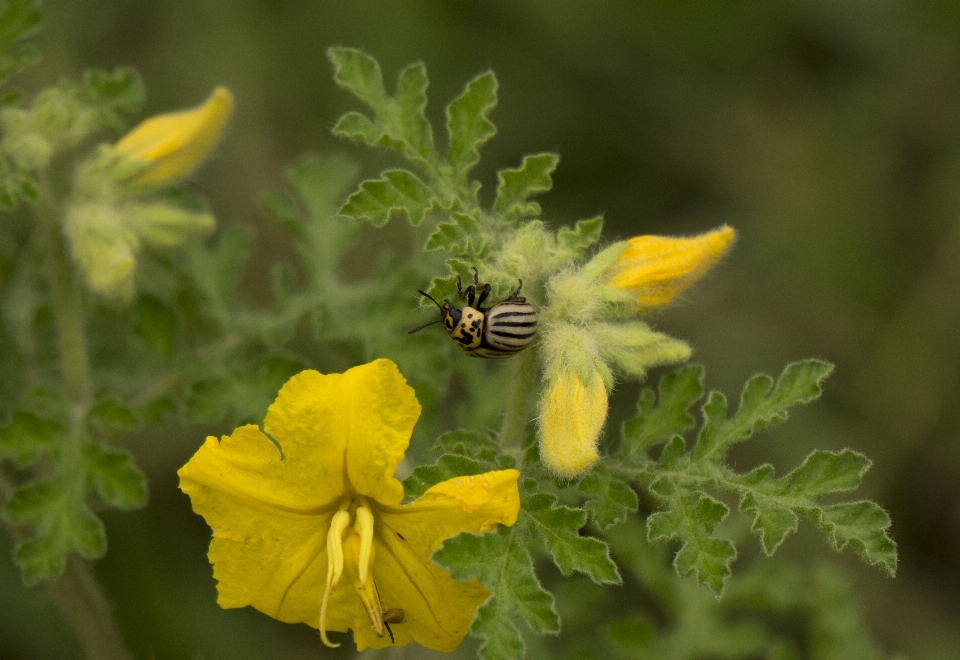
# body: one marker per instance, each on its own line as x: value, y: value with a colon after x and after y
x: 863, y: 526
x: 448, y: 466
x: 584, y: 234
x: 397, y: 191
x: 517, y: 186
x: 761, y: 405
x: 27, y: 438
x: 467, y: 124
x: 610, y: 499
x: 502, y: 563
x: 19, y: 20
x: 690, y: 517
x: 109, y: 415
x: 661, y: 416
x: 464, y: 453
x: 399, y: 122
x: 469, y: 443
x: 775, y: 504
x: 115, y: 477
x: 462, y: 235
x: 557, y: 528
x: 62, y: 524
x: 359, y: 73
x: 156, y: 324
x: 411, y: 103
x: 109, y: 95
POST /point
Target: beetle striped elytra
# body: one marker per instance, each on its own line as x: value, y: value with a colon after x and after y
x: 497, y: 331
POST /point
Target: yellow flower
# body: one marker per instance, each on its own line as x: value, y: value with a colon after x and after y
x: 654, y: 269
x: 289, y: 530
x: 571, y: 417
x: 171, y: 146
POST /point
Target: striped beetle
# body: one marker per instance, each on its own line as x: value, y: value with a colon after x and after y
x: 497, y: 331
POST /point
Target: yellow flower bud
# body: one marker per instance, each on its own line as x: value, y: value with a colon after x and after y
x: 571, y: 417
x: 171, y: 146
x: 654, y: 269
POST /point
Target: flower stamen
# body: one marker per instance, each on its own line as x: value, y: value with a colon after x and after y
x: 364, y: 527
x: 334, y: 565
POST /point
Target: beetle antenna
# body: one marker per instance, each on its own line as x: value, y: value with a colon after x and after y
x: 427, y: 295
x: 419, y: 328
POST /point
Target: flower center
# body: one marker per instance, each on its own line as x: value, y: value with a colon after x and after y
x: 351, y: 551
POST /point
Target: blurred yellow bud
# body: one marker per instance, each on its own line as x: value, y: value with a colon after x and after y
x: 171, y: 146
x: 654, y: 269
x: 571, y: 417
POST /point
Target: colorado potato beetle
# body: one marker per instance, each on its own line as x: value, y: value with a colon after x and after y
x: 496, y: 331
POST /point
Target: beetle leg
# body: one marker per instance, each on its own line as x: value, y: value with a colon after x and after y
x: 476, y: 276
x: 484, y: 292
x: 516, y: 294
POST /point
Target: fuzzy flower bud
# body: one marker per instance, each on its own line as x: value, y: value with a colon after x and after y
x: 571, y: 416
x: 654, y: 269
x: 103, y: 247
x: 171, y: 146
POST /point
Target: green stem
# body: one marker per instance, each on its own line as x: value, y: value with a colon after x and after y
x: 76, y: 591
x: 520, y: 396
x: 67, y: 297
x: 86, y: 608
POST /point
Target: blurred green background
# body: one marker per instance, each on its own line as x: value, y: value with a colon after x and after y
x: 827, y: 133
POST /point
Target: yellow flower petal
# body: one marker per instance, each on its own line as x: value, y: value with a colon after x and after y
x: 654, y: 269
x: 346, y: 432
x: 269, y: 530
x: 437, y: 609
x: 571, y: 417
x: 174, y: 144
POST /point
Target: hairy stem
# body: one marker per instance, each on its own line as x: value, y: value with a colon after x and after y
x: 67, y: 299
x: 76, y: 591
x: 520, y: 396
x: 85, y: 606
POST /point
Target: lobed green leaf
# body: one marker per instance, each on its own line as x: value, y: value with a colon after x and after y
x: 359, y: 73
x: 467, y: 125
x: 399, y: 122
x: 115, y: 477
x: 109, y: 415
x: 62, y: 524
x: 516, y: 186
x: 761, y: 405
x: 862, y: 525
x: 663, y: 415
x: 690, y: 518
x: 557, y: 527
x: 28, y: 437
x: 610, y: 499
x: 583, y: 235
x: 447, y: 466
x: 462, y: 235
x: 502, y: 563
x: 397, y: 191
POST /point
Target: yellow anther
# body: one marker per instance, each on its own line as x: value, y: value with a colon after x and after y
x: 366, y: 589
x: 338, y: 523
x: 364, y: 527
